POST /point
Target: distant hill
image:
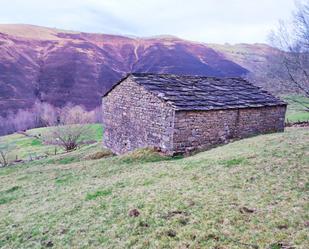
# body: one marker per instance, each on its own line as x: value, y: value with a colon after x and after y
x: 60, y: 66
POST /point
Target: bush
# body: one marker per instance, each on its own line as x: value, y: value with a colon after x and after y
x: 5, y: 150
x: 143, y: 155
x: 72, y: 130
x: 100, y: 154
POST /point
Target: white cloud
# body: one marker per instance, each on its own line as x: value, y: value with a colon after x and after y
x: 208, y: 20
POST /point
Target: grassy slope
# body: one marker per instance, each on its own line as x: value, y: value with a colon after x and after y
x: 196, y: 202
x: 24, y: 147
x: 295, y: 111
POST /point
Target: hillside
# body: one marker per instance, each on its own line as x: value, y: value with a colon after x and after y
x: 296, y: 110
x: 251, y: 193
x: 58, y: 66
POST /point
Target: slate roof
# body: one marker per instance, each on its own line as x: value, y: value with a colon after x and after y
x: 205, y: 93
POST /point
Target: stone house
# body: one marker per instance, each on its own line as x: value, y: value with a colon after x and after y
x: 181, y: 114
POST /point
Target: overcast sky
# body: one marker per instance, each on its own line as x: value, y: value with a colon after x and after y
x: 218, y: 21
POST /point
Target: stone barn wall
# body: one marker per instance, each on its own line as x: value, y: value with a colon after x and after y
x: 134, y: 118
x: 197, y: 130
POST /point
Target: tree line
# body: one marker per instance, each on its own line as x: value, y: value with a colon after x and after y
x: 44, y: 115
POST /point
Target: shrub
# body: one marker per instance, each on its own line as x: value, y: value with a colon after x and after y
x: 99, y: 155
x: 143, y: 155
x: 5, y: 150
x: 72, y: 130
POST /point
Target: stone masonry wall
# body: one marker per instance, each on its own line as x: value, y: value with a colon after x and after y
x: 134, y: 118
x: 197, y: 130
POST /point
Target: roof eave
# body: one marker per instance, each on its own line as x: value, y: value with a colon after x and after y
x: 112, y: 88
x: 177, y: 109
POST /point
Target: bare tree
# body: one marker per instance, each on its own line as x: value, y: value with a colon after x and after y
x: 73, y: 128
x: 292, y: 38
x: 5, y: 150
x: 46, y: 114
x: 43, y: 114
x: 97, y: 114
x: 23, y: 120
x: 4, y: 161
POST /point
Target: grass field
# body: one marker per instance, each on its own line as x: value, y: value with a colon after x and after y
x: 296, y: 108
x: 251, y: 193
x: 27, y: 147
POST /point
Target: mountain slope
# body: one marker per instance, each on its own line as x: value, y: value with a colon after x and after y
x: 250, y: 56
x: 59, y: 66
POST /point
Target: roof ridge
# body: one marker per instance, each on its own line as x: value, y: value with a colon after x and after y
x: 186, y: 75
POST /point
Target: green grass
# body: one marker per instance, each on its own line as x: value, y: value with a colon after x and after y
x: 13, y: 189
x: 233, y: 162
x: 64, y: 179
x: 95, y: 195
x: 296, y: 111
x: 142, y: 156
x: 249, y: 193
x: 26, y: 148
x: 66, y: 160
x: 8, y: 195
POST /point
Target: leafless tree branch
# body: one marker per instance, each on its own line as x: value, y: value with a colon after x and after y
x: 292, y: 38
x: 72, y: 129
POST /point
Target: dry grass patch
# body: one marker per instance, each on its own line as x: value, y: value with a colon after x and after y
x: 143, y: 155
x: 99, y: 154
